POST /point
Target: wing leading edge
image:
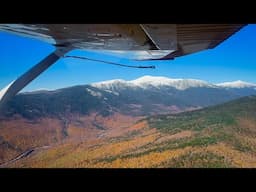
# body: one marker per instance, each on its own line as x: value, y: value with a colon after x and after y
x: 145, y: 41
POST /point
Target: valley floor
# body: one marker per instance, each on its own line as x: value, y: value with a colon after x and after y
x: 142, y: 147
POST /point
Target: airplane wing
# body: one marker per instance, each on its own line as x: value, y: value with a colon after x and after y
x: 136, y: 41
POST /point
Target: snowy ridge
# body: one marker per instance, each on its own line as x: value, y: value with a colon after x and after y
x: 180, y: 84
x: 111, y: 84
x: 236, y: 84
x: 152, y: 81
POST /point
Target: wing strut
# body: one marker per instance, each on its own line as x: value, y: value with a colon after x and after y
x: 31, y: 74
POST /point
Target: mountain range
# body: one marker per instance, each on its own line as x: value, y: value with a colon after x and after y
x: 146, y: 95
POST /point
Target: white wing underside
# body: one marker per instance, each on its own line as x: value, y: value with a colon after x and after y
x: 133, y: 41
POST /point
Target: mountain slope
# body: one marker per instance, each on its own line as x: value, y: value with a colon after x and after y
x: 219, y: 136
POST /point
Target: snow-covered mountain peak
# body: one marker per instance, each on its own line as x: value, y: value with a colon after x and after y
x: 113, y: 81
x: 110, y: 84
x: 147, y: 81
x: 180, y: 84
x: 236, y: 84
x: 153, y: 81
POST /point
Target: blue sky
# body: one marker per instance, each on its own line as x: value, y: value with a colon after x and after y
x: 234, y: 59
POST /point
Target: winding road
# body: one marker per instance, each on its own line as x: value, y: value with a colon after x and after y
x: 22, y: 155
